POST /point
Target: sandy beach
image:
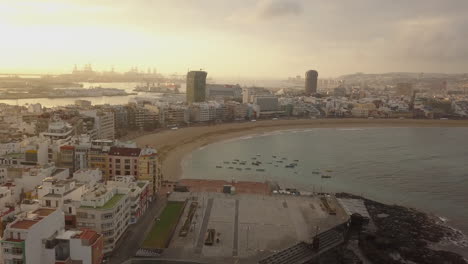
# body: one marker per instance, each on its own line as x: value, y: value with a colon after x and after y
x: 174, y: 145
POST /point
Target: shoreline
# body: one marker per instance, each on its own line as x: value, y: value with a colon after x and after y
x: 175, y: 145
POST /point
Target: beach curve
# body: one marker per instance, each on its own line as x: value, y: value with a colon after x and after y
x: 174, y: 145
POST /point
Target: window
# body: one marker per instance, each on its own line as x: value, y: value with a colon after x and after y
x: 107, y: 225
x: 117, y: 160
x: 69, y: 210
x: 117, y: 172
x: 127, y: 167
x: 17, y: 261
x: 17, y: 251
x: 108, y: 233
x: 6, y: 250
x: 47, y: 203
x: 127, y: 161
x: 81, y: 215
x: 127, y: 172
x: 56, y: 203
x: 107, y: 216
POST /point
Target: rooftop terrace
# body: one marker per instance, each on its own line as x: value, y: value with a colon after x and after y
x: 109, y: 204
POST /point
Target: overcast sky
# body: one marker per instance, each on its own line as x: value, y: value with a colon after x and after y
x: 245, y: 38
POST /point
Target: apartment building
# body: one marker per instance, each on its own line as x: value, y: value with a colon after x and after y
x: 39, y: 237
x: 105, y: 210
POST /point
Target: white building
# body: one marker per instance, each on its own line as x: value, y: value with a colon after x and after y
x: 90, y: 176
x: 58, y: 130
x: 40, y: 237
x: 27, y: 239
x: 103, y: 123
x: 28, y: 178
x: 105, y: 210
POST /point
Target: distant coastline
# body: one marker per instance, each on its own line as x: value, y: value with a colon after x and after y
x: 174, y: 145
x: 61, y: 96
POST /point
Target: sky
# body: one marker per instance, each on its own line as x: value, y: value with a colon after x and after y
x: 242, y: 38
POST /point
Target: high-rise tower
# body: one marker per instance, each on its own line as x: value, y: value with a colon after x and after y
x: 196, y: 86
x: 311, y: 82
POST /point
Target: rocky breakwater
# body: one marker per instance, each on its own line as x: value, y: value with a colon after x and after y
x: 405, y: 235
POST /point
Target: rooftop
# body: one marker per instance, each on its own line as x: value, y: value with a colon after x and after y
x: 24, y: 224
x: 109, y: 204
x: 117, y: 151
x: 88, y: 234
x: 44, y: 211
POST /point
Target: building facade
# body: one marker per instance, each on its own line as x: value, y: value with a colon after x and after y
x: 311, y: 79
x: 196, y: 86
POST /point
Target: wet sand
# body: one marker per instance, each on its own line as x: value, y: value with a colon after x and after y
x: 174, y: 145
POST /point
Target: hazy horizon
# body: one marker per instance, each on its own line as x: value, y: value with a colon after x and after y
x: 249, y: 39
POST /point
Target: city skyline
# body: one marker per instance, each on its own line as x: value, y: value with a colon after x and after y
x: 250, y: 39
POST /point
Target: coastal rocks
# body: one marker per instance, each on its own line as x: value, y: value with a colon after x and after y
x: 404, y: 235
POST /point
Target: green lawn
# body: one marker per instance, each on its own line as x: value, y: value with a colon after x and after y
x: 162, y: 229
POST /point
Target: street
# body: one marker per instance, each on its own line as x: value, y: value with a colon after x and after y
x: 130, y: 242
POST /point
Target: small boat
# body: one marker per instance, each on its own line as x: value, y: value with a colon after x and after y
x: 296, y: 160
x: 284, y: 158
x: 247, y: 168
x: 329, y: 171
x: 231, y: 168
x: 326, y: 176
x: 270, y: 162
x: 226, y: 162
x: 239, y: 169
x: 234, y: 162
x: 279, y: 161
x: 315, y: 172
x: 276, y: 165
x: 274, y: 157
x: 260, y: 169
x: 254, y: 158
x: 258, y: 155
x: 219, y: 167
x: 289, y: 166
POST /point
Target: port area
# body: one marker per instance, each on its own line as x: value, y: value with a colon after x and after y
x: 247, y: 226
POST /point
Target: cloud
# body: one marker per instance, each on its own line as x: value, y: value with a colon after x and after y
x: 268, y: 9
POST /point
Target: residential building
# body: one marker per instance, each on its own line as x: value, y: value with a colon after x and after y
x: 58, y: 130
x: 29, y: 239
x: 123, y: 161
x: 105, y: 210
x: 266, y: 103
x: 140, y: 195
x: 148, y: 169
x: 40, y: 237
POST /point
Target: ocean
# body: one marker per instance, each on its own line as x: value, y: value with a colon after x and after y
x: 424, y: 168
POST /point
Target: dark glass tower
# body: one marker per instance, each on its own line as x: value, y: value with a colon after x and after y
x: 311, y: 82
x: 196, y: 86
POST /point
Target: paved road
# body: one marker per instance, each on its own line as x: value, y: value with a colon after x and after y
x: 204, y: 226
x: 130, y: 242
x: 236, y: 231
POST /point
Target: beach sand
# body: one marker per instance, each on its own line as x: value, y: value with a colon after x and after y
x: 174, y: 145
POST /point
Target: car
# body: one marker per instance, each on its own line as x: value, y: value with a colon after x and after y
x: 174, y: 128
x: 274, y: 118
x: 253, y: 120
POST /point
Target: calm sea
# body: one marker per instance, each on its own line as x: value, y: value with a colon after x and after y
x: 425, y: 168
x: 112, y: 100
